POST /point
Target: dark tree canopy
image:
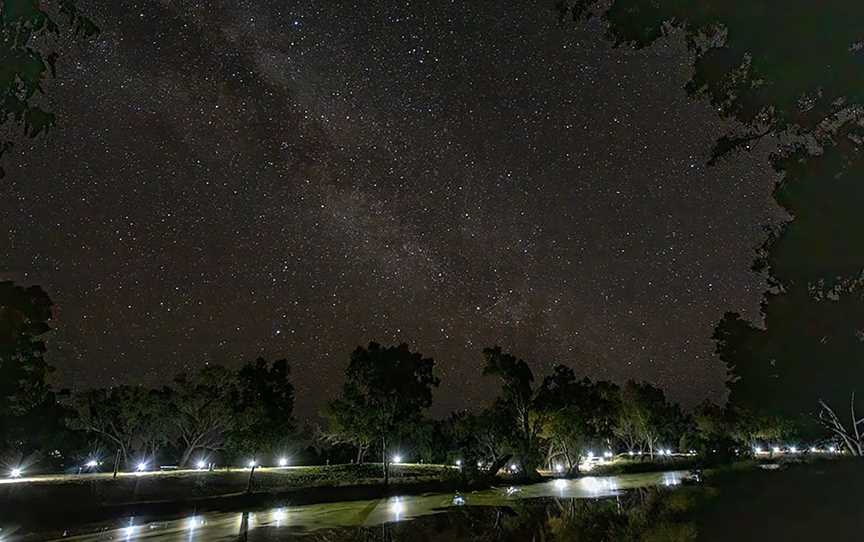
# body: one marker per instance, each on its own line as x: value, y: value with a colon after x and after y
x: 28, y: 32
x: 791, y: 70
x: 25, y: 395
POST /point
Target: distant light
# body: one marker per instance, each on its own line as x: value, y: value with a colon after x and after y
x: 252, y: 464
x: 201, y: 464
x: 279, y: 515
x: 283, y: 461
x: 479, y: 464
x: 630, y: 453
x: 757, y: 450
x: 559, y: 468
x: 607, y: 454
x: 15, y: 473
x: 514, y: 468
x: 590, y: 454
x: 775, y: 449
x: 814, y: 449
x: 458, y: 462
x: 669, y: 452
x: 92, y: 463
x: 793, y: 449
x: 832, y: 449
x: 141, y: 467
x: 397, y: 458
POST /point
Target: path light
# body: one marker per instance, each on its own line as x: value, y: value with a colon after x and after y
x: 92, y: 464
x: 458, y: 462
x: 201, y: 464
x: 141, y: 467
x: 479, y: 464
x: 514, y: 467
x: 630, y: 453
x: 15, y: 473
x: 283, y: 461
x: 397, y: 459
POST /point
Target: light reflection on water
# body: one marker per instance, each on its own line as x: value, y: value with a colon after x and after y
x: 219, y: 526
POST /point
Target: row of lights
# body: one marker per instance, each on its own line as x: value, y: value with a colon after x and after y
x: 792, y: 450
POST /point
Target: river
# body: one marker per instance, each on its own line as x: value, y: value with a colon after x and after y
x: 453, y: 516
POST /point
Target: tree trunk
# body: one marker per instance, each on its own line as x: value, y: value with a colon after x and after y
x: 187, y: 454
x: 384, y: 461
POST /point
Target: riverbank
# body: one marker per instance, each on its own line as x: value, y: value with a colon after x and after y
x: 97, y: 496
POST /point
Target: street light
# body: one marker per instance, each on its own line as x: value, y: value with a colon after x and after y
x: 283, y: 461
x: 15, y: 473
x: 397, y: 459
x: 252, y: 464
x: 141, y: 467
x: 92, y: 464
x: 201, y: 464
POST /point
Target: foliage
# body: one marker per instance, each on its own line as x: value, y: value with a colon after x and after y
x: 646, y: 420
x: 28, y: 31
x: 30, y: 417
x: 520, y: 401
x: 262, y: 409
x: 802, y: 84
x: 202, y: 410
x: 579, y: 415
x: 385, y: 393
x: 130, y: 419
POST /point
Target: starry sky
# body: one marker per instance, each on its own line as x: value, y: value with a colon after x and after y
x: 292, y: 179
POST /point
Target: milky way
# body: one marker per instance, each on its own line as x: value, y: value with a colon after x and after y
x: 234, y: 179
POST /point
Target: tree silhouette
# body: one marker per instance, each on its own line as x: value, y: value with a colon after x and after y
x: 518, y: 398
x: 28, y: 32
x: 385, y: 393
x: 802, y: 83
x: 25, y: 396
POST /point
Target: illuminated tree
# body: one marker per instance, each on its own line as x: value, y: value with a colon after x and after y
x: 579, y: 415
x: 202, y: 410
x: 519, y: 399
x: 130, y: 419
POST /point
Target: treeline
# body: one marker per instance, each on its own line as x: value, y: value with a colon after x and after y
x: 221, y: 416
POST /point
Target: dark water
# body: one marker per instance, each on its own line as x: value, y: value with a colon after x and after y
x: 505, y: 513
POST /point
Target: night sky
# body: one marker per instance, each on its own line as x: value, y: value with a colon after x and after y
x: 292, y: 179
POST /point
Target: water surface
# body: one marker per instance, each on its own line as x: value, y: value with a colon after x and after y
x: 283, y: 522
